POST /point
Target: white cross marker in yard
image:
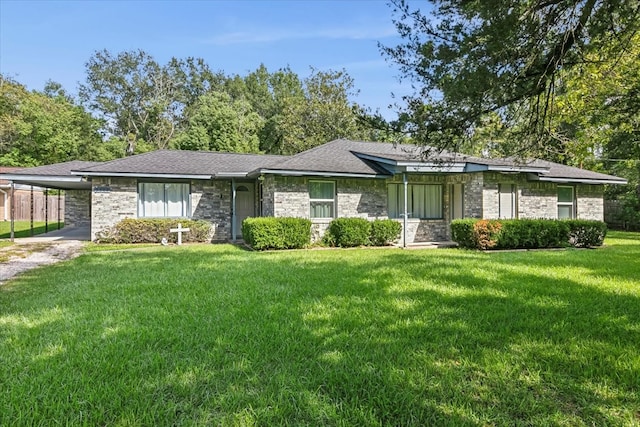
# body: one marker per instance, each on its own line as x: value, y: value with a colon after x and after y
x: 179, y: 230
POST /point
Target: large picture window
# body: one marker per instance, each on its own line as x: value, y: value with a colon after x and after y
x: 322, y: 199
x: 424, y: 201
x: 566, y: 202
x: 156, y: 199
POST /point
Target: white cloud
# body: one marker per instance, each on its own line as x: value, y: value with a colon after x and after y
x: 257, y: 36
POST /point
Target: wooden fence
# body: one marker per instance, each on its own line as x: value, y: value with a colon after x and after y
x: 51, y: 205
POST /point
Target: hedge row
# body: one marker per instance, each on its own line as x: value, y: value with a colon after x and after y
x: 350, y: 232
x: 527, y: 233
x: 276, y: 233
x: 145, y: 230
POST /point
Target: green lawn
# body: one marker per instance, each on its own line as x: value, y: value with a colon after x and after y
x: 215, y: 335
x: 23, y: 228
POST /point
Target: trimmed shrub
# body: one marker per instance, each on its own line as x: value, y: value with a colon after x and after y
x: 527, y: 233
x: 349, y: 232
x: 486, y: 233
x: 462, y: 232
x: 276, y: 233
x: 585, y: 233
x: 385, y: 232
x: 148, y: 230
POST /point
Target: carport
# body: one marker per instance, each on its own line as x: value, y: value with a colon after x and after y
x: 77, y: 196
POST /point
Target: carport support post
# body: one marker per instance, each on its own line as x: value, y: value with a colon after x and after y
x: 13, y: 208
x: 233, y: 210
x: 31, y: 212
x: 59, y: 207
x: 46, y: 210
x: 406, y: 214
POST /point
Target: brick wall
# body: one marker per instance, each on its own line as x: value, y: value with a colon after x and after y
x: 114, y: 199
x: 590, y: 202
x: 77, y: 212
x: 211, y: 201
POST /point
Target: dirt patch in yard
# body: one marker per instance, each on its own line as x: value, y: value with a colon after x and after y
x: 18, y: 258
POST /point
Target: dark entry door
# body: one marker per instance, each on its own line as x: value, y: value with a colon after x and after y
x: 245, y: 205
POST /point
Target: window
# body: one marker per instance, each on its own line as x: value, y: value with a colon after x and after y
x: 456, y: 196
x: 507, y: 201
x: 424, y: 201
x: 322, y: 198
x: 566, y: 202
x: 156, y: 199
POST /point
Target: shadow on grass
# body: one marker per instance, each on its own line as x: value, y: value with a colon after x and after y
x: 217, y: 335
x: 23, y: 229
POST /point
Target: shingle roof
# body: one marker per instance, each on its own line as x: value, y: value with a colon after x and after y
x: 339, y: 157
x: 558, y: 171
x: 175, y: 162
x: 56, y: 169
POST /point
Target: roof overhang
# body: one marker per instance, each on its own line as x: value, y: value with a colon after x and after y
x: 286, y: 172
x: 477, y: 167
x: 409, y: 166
x: 562, y: 180
x: 142, y: 175
x: 62, y: 182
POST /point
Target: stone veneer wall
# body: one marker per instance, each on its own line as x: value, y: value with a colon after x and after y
x: 537, y: 199
x: 77, y: 208
x: 211, y: 201
x: 590, y: 202
x: 114, y: 199
x: 363, y: 198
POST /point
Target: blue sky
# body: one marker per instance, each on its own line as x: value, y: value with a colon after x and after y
x: 41, y: 40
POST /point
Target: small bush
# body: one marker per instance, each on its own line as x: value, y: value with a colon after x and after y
x: 276, y: 233
x: 486, y: 233
x: 585, y: 233
x: 462, y: 232
x: 385, y: 232
x: 147, y: 230
x: 349, y: 232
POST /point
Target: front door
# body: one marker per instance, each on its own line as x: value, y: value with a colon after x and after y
x: 245, y: 205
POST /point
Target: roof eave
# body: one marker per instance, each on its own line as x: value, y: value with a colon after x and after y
x: 287, y: 172
x: 142, y: 175
x: 564, y: 180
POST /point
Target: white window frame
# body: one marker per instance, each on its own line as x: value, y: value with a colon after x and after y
x: 399, y: 202
x: 332, y: 200
x: 186, y: 201
x: 571, y: 204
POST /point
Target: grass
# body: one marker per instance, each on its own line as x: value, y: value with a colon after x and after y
x: 214, y: 335
x: 23, y: 228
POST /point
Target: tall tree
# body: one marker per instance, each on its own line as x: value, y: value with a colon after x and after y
x: 219, y: 123
x: 42, y: 128
x: 467, y: 59
x: 142, y: 100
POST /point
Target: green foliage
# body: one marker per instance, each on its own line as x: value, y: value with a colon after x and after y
x: 350, y: 232
x: 146, y: 230
x: 276, y: 233
x: 586, y: 234
x: 216, y: 122
x: 466, y: 59
x: 38, y: 128
x: 527, y: 233
x: 462, y: 232
x: 385, y: 232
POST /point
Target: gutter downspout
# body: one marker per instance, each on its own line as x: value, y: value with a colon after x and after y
x: 406, y: 214
x: 233, y: 210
